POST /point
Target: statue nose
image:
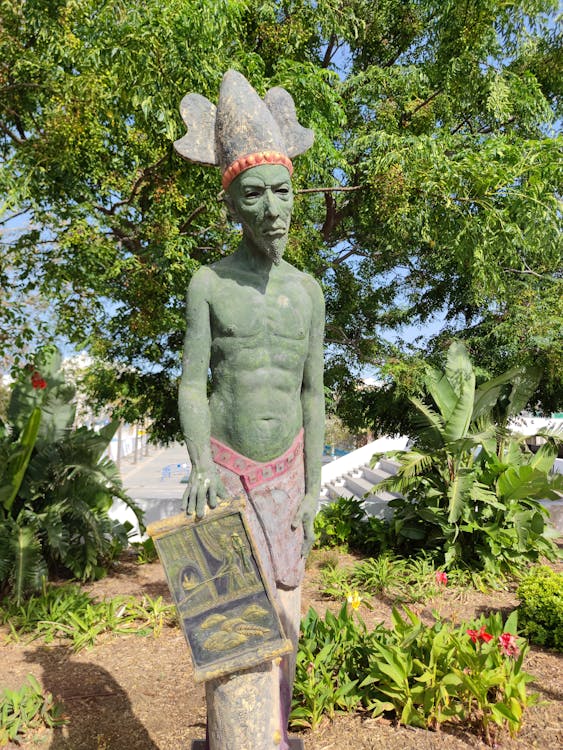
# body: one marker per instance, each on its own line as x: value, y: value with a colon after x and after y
x: 271, y: 204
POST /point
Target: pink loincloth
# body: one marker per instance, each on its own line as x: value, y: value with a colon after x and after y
x: 275, y: 490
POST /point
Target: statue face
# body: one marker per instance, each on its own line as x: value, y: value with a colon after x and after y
x: 262, y: 199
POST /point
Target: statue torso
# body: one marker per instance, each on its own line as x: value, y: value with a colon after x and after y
x: 259, y: 342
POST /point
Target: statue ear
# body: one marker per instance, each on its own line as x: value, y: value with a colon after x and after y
x: 230, y: 204
x: 198, y: 144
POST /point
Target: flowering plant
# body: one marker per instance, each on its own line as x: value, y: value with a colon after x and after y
x: 507, y: 644
x: 479, y: 635
x: 37, y: 381
x: 425, y: 675
x: 56, y: 485
x: 354, y: 600
x: 441, y: 578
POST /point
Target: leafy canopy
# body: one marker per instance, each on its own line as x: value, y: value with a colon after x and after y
x: 434, y: 121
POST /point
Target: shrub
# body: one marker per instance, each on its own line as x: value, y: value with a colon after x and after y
x: 344, y: 525
x: 469, y: 490
x: 336, y: 524
x: 541, y: 607
x: 56, y: 485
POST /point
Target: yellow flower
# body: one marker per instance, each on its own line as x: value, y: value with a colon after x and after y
x: 354, y: 600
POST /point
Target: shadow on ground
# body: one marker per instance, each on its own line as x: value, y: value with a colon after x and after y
x: 99, y: 710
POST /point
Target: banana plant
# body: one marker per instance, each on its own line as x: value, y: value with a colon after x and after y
x: 468, y: 488
x: 17, y: 460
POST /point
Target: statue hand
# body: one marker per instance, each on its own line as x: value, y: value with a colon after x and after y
x: 203, y: 488
x: 306, y: 517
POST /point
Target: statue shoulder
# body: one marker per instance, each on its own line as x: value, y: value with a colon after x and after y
x: 309, y: 283
x: 202, y: 280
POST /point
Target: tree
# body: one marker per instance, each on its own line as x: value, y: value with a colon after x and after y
x: 435, y: 169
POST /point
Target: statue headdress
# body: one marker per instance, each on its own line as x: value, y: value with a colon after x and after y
x: 243, y: 130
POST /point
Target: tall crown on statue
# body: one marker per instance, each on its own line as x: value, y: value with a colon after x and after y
x: 243, y: 130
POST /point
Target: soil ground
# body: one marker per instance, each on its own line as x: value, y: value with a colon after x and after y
x: 137, y: 693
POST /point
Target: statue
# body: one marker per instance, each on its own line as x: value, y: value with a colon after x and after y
x: 257, y: 324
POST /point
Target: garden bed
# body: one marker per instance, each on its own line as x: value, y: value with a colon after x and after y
x: 138, y: 692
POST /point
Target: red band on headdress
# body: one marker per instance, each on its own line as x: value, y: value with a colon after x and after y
x: 255, y: 160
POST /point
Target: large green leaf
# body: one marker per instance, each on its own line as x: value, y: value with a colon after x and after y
x: 14, y: 473
x: 458, y: 423
x: 441, y: 390
x: 544, y: 459
x: 517, y: 386
x: 459, y: 493
x: 459, y: 370
x: 29, y: 566
x: 520, y: 482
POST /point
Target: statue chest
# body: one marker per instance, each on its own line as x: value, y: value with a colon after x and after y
x: 245, y: 312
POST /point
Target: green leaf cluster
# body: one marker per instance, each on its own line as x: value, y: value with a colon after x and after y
x: 343, y: 525
x: 56, y: 485
x: 66, y: 613
x: 541, y: 606
x: 27, y: 709
x: 424, y: 676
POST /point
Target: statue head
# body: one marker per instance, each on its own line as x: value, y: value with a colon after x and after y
x: 243, y: 131
x: 261, y: 199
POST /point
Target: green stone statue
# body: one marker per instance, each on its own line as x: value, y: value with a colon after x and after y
x: 256, y: 323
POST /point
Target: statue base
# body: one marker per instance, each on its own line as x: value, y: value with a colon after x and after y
x: 294, y: 743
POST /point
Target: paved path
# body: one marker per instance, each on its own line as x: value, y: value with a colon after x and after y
x: 154, y: 483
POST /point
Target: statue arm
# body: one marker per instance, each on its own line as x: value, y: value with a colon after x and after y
x: 204, y: 484
x: 313, y: 406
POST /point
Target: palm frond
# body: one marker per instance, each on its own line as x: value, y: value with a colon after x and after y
x: 29, y: 566
x: 429, y: 423
x: 458, y: 493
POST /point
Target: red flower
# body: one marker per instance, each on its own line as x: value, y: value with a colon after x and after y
x: 441, y: 578
x: 507, y: 644
x: 479, y: 635
x: 37, y: 381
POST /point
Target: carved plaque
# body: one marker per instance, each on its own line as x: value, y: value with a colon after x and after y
x: 224, y: 606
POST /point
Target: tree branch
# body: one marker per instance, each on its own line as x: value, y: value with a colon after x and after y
x: 528, y: 272
x: 427, y: 101
x: 5, y: 129
x: 329, y: 51
x: 342, y: 189
x: 196, y: 212
x: 489, y: 129
x: 134, y: 189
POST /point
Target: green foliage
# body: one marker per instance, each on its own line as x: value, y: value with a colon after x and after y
x: 541, y: 607
x: 343, y: 525
x: 423, y: 675
x: 439, y: 117
x: 332, y: 656
x: 68, y: 613
x: 27, y: 709
x: 146, y: 551
x: 400, y: 580
x: 470, y: 490
x: 56, y: 486
x: 336, y: 524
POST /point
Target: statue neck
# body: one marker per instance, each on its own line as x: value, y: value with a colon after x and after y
x: 253, y: 258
